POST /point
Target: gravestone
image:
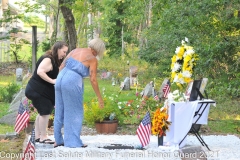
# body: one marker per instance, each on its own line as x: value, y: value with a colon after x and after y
x: 113, y: 81
x: 126, y: 84
x: 133, y: 74
x: 19, y: 74
x: 148, y: 90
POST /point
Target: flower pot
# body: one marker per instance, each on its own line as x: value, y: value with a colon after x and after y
x: 160, y: 140
x: 50, y: 123
x: 106, y: 126
x: 30, y: 127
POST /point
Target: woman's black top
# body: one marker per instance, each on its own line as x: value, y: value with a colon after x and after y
x: 41, y: 86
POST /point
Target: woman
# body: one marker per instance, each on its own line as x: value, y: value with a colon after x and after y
x: 40, y: 88
x: 69, y: 89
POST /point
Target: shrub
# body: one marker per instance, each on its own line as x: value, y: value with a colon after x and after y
x: 93, y: 113
x: 8, y: 92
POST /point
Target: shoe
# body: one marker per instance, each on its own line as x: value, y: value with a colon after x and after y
x: 84, y: 146
x: 47, y: 141
x: 37, y: 140
x: 58, y: 145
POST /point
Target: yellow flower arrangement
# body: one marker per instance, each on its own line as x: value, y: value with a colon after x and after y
x: 160, y: 123
x: 183, y: 63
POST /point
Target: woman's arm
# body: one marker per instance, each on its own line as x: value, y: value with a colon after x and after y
x: 44, y: 67
x: 94, y: 82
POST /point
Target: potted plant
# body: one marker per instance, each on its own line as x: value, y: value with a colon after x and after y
x: 51, y: 119
x: 105, y: 119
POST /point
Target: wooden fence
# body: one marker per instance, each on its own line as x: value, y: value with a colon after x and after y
x: 4, y: 51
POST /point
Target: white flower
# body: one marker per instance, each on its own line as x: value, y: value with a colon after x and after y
x: 170, y: 97
x: 186, y: 39
x: 137, y: 106
x: 181, y: 80
x: 187, y: 74
x: 119, y: 107
x: 176, y: 67
x: 176, y: 79
x: 175, y: 92
x: 183, y: 42
x: 189, y: 52
x: 177, y: 50
x: 181, y: 99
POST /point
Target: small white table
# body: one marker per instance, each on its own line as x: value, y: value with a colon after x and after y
x: 183, y: 115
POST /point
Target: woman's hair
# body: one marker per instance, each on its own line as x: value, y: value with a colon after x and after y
x: 53, y: 53
x: 98, y: 45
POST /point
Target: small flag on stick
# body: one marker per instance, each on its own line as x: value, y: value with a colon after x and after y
x: 166, y: 89
x: 144, y: 130
x: 29, y: 153
x: 156, y: 97
x: 22, y: 119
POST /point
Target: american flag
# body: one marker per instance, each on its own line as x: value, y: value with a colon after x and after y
x: 166, y: 89
x: 29, y: 153
x: 156, y: 97
x: 144, y: 130
x: 22, y: 119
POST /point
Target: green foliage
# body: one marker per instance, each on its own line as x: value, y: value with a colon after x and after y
x: 33, y: 116
x: 16, y: 43
x: 30, y: 21
x: 6, y: 94
x: 211, y: 28
x: 16, y: 46
x: 46, y: 45
x: 93, y: 113
x: 3, y: 108
x: 116, y: 17
x: 135, y: 109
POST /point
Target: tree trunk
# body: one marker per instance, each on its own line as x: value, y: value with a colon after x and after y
x: 70, y: 24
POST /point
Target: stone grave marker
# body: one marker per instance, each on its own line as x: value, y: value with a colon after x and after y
x: 148, y: 90
x: 126, y: 84
x: 19, y: 74
x: 133, y: 74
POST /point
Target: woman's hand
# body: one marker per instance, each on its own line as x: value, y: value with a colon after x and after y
x: 101, y: 103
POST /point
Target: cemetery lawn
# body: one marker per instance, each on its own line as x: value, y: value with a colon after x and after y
x: 223, y: 119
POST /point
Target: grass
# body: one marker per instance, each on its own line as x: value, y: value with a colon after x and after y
x: 3, y: 109
x: 11, y: 146
x: 105, y: 85
x: 6, y: 128
x: 224, y: 126
x: 5, y: 80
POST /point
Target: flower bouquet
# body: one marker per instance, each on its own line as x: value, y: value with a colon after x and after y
x: 160, y: 124
x: 177, y: 96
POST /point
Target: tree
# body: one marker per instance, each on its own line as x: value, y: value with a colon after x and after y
x: 69, y: 22
x: 16, y: 43
x: 206, y: 24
